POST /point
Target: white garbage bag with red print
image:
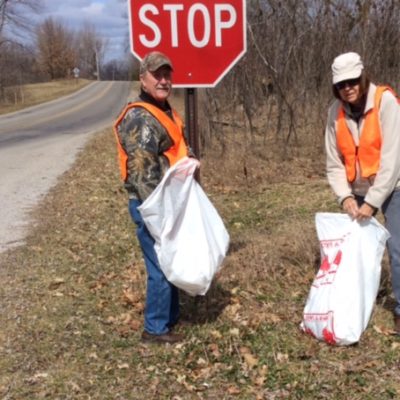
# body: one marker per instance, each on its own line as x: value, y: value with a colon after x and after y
x: 190, y: 237
x: 344, y: 290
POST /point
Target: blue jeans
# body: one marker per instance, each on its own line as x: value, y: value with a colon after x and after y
x: 391, y: 211
x: 162, y: 298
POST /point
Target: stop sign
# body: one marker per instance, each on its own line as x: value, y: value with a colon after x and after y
x: 203, y: 38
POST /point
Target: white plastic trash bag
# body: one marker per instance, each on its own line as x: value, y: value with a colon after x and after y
x: 190, y: 238
x: 345, y: 287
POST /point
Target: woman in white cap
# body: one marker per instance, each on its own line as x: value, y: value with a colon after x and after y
x: 362, y: 140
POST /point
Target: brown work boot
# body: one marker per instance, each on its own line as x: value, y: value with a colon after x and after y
x: 397, y: 324
x: 168, y: 337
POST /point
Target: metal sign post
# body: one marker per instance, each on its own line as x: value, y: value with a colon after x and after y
x: 76, y: 72
x: 191, y: 123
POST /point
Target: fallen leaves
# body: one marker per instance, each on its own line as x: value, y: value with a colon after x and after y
x: 281, y: 357
x: 214, y: 350
x: 125, y: 323
x: 102, y: 281
x: 233, y: 390
x: 56, y: 283
x: 234, y: 332
x: 216, y: 334
x: 134, y: 299
x: 232, y: 311
x: 384, y: 330
x: 248, y: 357
x: 38, y: 377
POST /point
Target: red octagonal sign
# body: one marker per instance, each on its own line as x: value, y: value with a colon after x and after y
x: 203, y: 38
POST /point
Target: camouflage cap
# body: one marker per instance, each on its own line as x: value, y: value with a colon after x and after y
x: 154, y: 60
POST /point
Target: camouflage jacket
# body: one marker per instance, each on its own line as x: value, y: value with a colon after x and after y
x: 144, y: 140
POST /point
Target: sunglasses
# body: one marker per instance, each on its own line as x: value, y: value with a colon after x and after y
x: 349, y: 82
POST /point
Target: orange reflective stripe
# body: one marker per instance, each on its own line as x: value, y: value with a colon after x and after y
x: 174, y: 128
x: 346, y: 145
x: 369, y: 150
x: 122, y: 156
x: 179, y: 149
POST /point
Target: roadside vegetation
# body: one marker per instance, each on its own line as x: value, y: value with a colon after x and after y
x: 72, y: 298
x: 286, y: 79
x: 19, y: 97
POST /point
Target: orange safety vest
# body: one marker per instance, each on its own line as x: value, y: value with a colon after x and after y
x: 368, y: 152
x: 174, y: 129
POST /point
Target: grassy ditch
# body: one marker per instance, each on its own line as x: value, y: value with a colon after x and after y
x: 19, y: 97
x: 72, y: 298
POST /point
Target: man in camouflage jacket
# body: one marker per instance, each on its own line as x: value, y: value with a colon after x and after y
x: 144, y: 145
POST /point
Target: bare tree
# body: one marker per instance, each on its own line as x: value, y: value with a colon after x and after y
x: 56, y: 55
x: 16, y: 58
x: 14, y: 14
x: 91, y: 49
x: 123, y: 70
x: 281, y: 88
x: 16, y: 68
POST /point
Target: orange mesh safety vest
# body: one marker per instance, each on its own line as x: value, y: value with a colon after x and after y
x: 368, y: 152
x: 174, y: 128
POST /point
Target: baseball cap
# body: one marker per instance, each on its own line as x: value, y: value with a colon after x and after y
x: 346, y: 66
x: 154, y: 60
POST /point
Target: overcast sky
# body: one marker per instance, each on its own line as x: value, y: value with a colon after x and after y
x: 106, y: 15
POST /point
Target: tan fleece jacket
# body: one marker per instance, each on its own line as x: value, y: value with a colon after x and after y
x: 375, y: 189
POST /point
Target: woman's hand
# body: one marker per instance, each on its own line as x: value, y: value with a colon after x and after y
x: 350, y: 206
x: 365, y: 212
x: 362, y: 213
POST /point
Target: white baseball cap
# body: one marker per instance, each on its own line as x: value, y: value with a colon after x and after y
x: 346, y: 66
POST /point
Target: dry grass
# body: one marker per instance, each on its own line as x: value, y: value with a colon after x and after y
x: 72, y: 299
x: 17, y: 98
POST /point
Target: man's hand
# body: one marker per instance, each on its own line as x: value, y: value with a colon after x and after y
x: 351, y: 207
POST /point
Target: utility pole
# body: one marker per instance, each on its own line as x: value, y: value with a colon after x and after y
x: 97, y: 62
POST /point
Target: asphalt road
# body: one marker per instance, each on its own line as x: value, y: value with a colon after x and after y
x: 40, y: 143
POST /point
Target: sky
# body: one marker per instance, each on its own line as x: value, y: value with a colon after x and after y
x: 107, y: 16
